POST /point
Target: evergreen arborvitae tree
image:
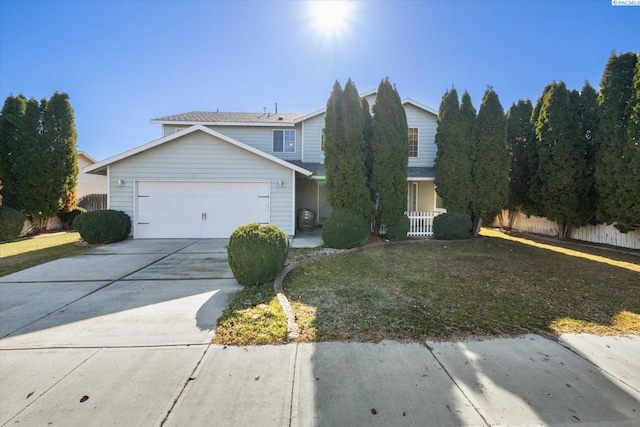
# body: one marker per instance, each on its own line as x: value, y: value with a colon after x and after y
x: 589, y: 118
x: 390, y: 145
x: 38, y: 199
x: 11, y: 126
x: 367, y: 132
x: 519, y: 132
x: 333, y: 145
x: 345, y: 151
x: 490, y: 172
x: 616, y: 175
x: 448, y: 136
x: 464, y: 152
x: 630, y: 218
x: 561, y: 193
x: 59, y: 135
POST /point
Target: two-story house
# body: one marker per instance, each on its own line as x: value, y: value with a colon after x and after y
x: 211, y: 172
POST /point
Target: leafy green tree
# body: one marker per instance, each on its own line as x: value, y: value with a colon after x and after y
x: 561, y: 192
x: 490, y: 171
x: 616, y: 170
x: 390, y: 145
x: 519, y: 132
x: 11, y: 126
x: 345, y: 152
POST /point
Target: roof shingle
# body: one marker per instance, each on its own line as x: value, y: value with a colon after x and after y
x: 217, y: 117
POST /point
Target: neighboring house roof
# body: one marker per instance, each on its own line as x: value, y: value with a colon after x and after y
x: 101, y: 167
x: 86, y: 156
x: 227, y: 119
x: 365, y: 94
x: 413, y: 173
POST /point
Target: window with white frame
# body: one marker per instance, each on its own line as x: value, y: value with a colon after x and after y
x: 412, y: 205
x: 284, y: 141
x: 413, y: 142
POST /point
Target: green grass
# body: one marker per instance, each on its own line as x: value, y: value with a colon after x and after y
x: 20, y: 254
x: 490, y: 286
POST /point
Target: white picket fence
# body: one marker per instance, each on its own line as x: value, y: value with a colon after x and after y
x: 420, y: 224
x: 604, y: 234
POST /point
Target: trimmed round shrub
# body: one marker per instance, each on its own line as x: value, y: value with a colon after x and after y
x: 11, y: 223
x: 399, y: 230
x: 107, y: 226
x: 345, y: 229
x: 67, y: 218
x: 257, y: 253
x: 452, y: 226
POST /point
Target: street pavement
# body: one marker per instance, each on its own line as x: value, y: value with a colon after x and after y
x: 120, y: 335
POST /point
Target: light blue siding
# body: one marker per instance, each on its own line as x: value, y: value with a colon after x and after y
x: 426, y: 124
x: 313, y: 139
x: 201, y: 157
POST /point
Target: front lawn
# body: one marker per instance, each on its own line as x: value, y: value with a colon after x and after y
x: 486, y: 287
x: 20, y: 254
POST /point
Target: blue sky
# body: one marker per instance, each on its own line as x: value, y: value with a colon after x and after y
x: 125, y: 62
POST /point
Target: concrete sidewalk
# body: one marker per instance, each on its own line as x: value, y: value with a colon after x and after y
x: 518, y: 381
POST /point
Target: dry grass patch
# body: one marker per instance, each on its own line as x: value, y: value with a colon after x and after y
x: 254, y: 317
x: 485, y: 287
x: 24, y: 253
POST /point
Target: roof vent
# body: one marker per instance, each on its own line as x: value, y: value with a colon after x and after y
x: 280, y: 118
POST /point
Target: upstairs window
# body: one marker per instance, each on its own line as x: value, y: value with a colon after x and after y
x: 413, y: 142
x: 284, y: 141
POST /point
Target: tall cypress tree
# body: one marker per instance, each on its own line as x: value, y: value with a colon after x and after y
x: 11, y: 127
x: 357, y: 196
x: 519, y: 132
x: 390, y: 144
x: 616, y: 174
x: 630, y: 218
x: 333, y: 145
x: 367, y: 132
x: 589, y: 118
x: 59, y: 133
x: 345, y: 151
x: 448, y: 136
x: 490, y: 170
x: 562, y: 192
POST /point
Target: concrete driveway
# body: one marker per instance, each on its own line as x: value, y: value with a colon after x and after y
x: 114, y: 323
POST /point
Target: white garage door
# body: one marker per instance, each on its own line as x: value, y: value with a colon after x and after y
x: 198, y: 209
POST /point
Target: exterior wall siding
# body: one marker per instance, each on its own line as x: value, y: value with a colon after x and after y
x: 427, y: 125
x: 201, y: 157
x: 313, y: 139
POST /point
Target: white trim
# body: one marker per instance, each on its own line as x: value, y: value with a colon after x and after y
x: 310, y: 115
x: 420, y: 179
x: 88, y: 157
x: 109, y: 187
x: 417, y: 142
x: 420, y: 105
x: 302, y: 142
x: 295, y: 141
x: 97, y: 167
x: 293, y: 201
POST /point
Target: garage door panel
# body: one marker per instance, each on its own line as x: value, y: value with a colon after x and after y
x: 199, y: 209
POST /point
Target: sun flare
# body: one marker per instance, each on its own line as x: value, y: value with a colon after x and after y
x: 330, y: 16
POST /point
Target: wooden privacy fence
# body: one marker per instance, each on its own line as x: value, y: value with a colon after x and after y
x: 604, y: 234
x: 420, y: 224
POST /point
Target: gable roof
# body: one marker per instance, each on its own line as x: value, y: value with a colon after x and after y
x: 100, y: 167
x: 365, y: 94
x: 229, y: 119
